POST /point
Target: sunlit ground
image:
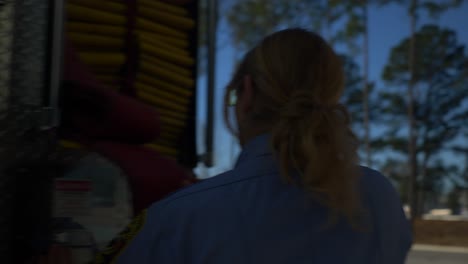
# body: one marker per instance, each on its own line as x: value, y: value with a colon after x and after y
x: 425, y: 254
x: 440, y: 238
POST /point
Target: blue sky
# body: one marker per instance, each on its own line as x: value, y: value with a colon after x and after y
x: 387, y: 27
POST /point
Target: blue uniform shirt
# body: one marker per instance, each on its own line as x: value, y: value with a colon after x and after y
x: 250, y: 215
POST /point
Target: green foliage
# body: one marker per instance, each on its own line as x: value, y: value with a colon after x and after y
x: 435, y: 174
x: 354, y: 25
x: 391, y: 141
x: 441, y: 83
x: 460, y: 179
x: 353, y: 93
x: 440, y: 78
x: 436, y: 8
x: 250, y: 20
x: 453, y: 201
x: 392, y: 107
x: 440, y: 87
x: 397, y: 171
x: 437, y: 49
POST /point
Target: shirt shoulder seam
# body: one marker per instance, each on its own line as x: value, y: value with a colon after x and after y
x: 174, y: 199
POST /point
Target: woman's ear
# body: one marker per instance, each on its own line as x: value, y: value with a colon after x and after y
x: 245, y: 99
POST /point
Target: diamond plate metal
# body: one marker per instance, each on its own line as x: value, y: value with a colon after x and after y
x: 23, y: 65
x: 29, y: 51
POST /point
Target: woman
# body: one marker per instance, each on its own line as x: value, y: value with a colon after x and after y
x: 296, y: 194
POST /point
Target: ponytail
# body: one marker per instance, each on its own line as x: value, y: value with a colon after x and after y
x: 315, y: 141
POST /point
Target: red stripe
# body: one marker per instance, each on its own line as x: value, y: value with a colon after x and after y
x: 72, y: 185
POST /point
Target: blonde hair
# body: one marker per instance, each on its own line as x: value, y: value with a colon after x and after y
x: 298, y: 81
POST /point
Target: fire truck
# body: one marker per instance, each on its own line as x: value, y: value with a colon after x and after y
x: 98, y: 103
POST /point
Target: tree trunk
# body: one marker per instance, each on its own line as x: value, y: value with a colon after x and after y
x: 365, y: 93
x: 211, y: 34
x: 412, y: 158
x: 326, y: 29
x: 423, y: 191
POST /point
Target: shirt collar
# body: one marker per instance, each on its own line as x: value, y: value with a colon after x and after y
x: 258, y: 146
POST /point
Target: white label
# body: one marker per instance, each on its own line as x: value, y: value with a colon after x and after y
x: 72, y: 198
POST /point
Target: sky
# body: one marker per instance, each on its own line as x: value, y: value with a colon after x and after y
x: 387, y: 27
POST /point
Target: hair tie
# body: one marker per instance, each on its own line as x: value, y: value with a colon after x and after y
x: 298, y: 107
